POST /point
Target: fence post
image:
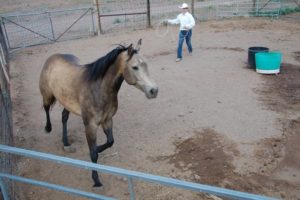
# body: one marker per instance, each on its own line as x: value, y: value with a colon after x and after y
x: 217, y: 12
x: 254, y: 7
x: 279, y: 9
x: 51, y: 25
x: 93, y: 24
x: 193, y: 7
x: 257, y: 7
x: 148, y: 14
x: 4, y: 33
x: 130, y: 188
x: 96, y: 3
x: 3, y: 190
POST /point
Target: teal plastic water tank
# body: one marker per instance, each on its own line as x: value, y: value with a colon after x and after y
x: 268, y: 62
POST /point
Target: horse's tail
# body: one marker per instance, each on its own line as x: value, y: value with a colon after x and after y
x: 45, y: 89
x: 47, y: 93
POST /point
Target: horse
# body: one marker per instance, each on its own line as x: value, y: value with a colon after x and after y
x: 91, y: 91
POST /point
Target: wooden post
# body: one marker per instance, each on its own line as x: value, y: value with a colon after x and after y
x: 193, y: 8
x: 254, y: 6
x: 99, y: 29
x: 148, y: 14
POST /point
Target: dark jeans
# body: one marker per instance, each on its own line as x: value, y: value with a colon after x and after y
x: 187, y: 35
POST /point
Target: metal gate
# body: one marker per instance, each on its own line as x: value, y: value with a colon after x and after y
x: 130, y: 175
x: 6, y: 125
x: 23, y: 30
x: 119, y: 15
x: 234, y: 8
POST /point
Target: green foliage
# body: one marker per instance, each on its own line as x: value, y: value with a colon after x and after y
x: 286, y: 11
x: 211, y: 7
x: 117, y: 21
x: 106, y: 9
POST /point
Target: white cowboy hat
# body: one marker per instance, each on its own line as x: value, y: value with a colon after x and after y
x: 184, y: 5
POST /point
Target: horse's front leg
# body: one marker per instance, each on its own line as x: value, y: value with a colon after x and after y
x: 107, y: 129
x: 91, y: 131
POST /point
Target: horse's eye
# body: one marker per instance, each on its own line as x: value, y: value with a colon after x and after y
x: 135, y: 68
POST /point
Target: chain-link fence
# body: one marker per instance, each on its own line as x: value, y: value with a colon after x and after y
x: 6, y: 130
x: 201, y: 9
x: 217, y: 9
x: 108, y: 16
x: 34, y: 28
x: 290, y: 3
x: 268, y: 8
x: 122, y: 15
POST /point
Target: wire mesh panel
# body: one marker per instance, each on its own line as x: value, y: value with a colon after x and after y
x: 268, y: 8
x: 117, y: 15
x: 161, y: 10
x: 30, y: 29
x: 290, y: 3
x: 6, y: 130
x: 70, y: 24
x: 206, y: 10
x: 234, y: 8
x: 27, y: 30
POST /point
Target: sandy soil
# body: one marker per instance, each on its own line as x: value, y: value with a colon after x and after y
x: 215, y: 121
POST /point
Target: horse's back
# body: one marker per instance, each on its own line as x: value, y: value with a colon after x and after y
x: 61, y: 77
x: 61, y: 59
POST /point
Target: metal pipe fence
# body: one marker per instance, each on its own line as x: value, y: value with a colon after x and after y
x: 130, y: 175
x: 19, y: 30
x: 246, y: 8
x: 6, y: 129
x: 27, y: 29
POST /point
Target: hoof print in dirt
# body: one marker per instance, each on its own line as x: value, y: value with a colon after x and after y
x: 69, y: 149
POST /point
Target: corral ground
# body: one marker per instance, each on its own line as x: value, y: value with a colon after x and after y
x: 215, y: 121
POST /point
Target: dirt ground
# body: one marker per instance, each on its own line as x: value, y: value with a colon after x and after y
x: 215, y: 121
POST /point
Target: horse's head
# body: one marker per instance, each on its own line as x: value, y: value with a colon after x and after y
x: 136, y: 72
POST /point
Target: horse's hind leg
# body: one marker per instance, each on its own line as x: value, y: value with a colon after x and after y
x: 64, y: 119
x: 47, y: 102
x: 48, y: 126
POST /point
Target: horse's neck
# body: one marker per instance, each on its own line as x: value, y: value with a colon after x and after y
x: 113, y: 79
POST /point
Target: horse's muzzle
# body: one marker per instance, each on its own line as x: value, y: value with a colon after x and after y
x: 152, y: 92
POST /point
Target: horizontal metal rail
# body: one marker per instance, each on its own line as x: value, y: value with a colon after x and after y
x: 232, y: 194
x: 123, y: 14
x: 44, y: 12
x: 55, y: 187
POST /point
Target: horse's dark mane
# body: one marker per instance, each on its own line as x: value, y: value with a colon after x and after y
x: 98, y: 69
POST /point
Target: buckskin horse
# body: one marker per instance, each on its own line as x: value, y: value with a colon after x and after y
x: 91, y: 91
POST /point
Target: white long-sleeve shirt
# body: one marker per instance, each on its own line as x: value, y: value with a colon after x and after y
x: 186, y: 21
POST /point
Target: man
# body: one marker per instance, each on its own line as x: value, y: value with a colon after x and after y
x: 187, y: 22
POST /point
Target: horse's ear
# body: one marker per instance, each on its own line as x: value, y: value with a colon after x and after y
x: 130, y: 50
x: 138, y: 46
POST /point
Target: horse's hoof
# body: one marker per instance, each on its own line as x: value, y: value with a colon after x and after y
x: 98, y: 184
x: 69, y: 149
x: 48, y: 128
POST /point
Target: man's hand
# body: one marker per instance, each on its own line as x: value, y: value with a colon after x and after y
x: 165, y: 23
